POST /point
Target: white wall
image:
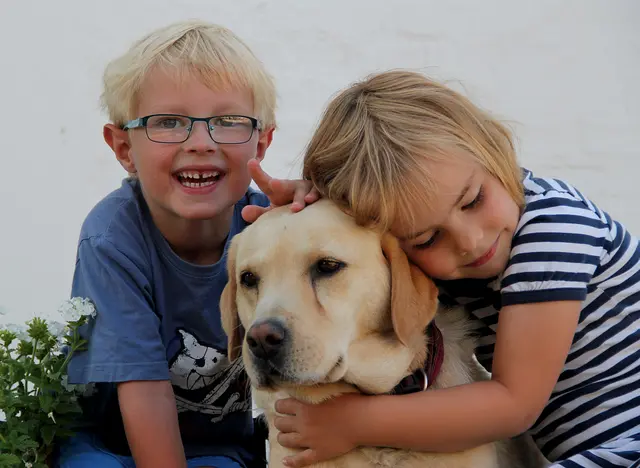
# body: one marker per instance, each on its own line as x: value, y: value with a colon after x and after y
x: 565, y: 72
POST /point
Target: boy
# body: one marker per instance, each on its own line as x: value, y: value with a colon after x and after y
x: 151, y: 255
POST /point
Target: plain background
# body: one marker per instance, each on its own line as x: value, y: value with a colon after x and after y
x: 565, y: 74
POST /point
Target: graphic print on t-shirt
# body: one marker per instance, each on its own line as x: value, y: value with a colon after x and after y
x: 205, y: 381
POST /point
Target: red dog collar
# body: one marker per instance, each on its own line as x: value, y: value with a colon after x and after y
x: 424, y: 377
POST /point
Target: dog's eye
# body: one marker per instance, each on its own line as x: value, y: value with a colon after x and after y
x: 248, y: 279
x: 328, y: 266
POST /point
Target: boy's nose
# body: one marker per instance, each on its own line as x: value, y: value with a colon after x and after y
x: 200, y: 140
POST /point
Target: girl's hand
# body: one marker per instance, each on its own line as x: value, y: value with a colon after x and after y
x: 321, y: 430
x: 280, y: 192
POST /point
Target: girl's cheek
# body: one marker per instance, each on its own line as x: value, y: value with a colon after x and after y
x: 428, y: 262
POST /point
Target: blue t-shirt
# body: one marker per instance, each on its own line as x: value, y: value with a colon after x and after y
x: 158, y: 318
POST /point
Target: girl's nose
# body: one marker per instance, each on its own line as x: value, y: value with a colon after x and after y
x: 468, y: 239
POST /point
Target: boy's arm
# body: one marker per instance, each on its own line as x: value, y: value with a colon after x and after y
x: 151, y: 423
x: 125, y: 348
x: 532, y: 344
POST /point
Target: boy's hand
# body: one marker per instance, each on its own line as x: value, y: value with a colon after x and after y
x: 321, y: 430
x: 280, y: 192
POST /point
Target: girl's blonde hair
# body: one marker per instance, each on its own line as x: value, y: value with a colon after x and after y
x: 211, y: 53
x: 369, y: 151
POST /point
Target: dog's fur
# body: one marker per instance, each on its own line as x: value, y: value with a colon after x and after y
x: 360, y: 328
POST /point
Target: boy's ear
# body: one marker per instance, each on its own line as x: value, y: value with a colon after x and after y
x: 264, y: 141
x: 118, y: 141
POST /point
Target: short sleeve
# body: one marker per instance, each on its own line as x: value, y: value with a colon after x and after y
x: 256, y: 197
x: 125, y: 341
x: 558, y: 246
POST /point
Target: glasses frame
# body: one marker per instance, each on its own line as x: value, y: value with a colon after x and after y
x: 142, y: 122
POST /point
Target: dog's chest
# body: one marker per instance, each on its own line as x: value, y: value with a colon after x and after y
x: 480, y: 457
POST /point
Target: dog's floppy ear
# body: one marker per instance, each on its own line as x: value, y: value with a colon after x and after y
x: 414, y: 297
x: 229, y: 308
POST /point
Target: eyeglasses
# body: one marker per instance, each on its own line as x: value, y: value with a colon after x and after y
x: 173, y: 128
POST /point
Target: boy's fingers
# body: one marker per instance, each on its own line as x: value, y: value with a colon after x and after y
x: 312, y: 196
x: 282, y: 191
x: 298, y: 193
x: 299, y: 198
x: 261, y: 178
x: 252, y: 212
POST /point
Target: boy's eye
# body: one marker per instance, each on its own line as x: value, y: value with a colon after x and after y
x: 230, y: 121
x: 168, y: 123
x: 428, y: 243
x: 476, y: 201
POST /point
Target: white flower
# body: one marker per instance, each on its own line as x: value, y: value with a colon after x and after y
x: 66, y: 385
x: 69, y: 312
x: 77, y: 307
x: 20, y: 331
x: 50, y: 415
x: 57, y: 329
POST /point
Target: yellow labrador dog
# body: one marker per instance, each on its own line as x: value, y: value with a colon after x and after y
x: 318, y: 306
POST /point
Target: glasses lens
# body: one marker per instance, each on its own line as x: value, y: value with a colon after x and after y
x: 168, y: 128
x: 231, y: 128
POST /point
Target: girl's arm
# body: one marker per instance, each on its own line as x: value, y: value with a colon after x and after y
x: 151, y: 423
x: 532, y: 344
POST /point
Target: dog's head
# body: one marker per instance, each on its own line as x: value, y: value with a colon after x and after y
x: 313, y: 298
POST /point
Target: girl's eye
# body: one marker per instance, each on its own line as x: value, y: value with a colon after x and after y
x: 476, y: 201
x: 428, y: 243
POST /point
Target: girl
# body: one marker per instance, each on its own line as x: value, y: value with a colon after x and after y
x: 551, y: 282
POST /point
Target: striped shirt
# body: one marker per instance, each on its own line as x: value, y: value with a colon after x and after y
x: 566, y: 248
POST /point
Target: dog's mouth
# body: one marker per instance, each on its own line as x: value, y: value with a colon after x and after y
x: 271, y: 376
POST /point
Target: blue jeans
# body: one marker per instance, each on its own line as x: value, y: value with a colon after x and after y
x: 84, y: 451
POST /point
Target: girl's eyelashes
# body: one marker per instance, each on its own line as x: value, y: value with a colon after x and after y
x: 476, y: 201
x: 473, y: 204
x: 428, y: 243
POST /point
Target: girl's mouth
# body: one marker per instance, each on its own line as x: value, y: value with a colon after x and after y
x: 488, y: 255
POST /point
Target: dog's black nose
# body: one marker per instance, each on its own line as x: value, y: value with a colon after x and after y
x: 265, y: 339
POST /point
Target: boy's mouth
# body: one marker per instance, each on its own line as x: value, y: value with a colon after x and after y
x: 198, y: 179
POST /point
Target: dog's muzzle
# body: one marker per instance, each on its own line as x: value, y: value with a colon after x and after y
x: 268, y: 343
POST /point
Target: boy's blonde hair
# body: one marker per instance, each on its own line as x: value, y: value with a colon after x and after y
x: 369, y: 151
x: 211, y: 53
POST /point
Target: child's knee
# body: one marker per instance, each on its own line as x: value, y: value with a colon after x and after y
x: 213, y: 462
x: 94, y: 460
x: 83, y: 451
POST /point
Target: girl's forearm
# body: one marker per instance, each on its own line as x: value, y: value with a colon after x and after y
x: 446, y: 420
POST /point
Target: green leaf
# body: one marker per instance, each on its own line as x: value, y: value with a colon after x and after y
x: 48, y: 434
x: 46, y: 401
x: 9, y: 460
x: 64, y: 408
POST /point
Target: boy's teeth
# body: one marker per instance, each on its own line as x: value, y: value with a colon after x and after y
x: 198, y: 184
x: 198, y: 175
x: 196, y: 179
